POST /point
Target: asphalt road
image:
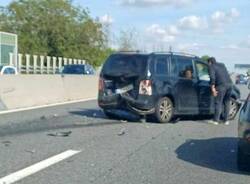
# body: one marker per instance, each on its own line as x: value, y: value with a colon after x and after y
x: 114, y: 151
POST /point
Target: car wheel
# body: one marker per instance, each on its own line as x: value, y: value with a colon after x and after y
x: 164, y: 110
x: 242, y: 163
x: 233, y: 109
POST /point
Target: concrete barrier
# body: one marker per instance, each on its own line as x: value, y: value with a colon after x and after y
x: 23, y: 91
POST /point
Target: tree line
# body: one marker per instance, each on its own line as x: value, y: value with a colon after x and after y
x: 55, y: 28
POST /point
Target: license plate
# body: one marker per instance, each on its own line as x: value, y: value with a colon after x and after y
x: 124, y: 89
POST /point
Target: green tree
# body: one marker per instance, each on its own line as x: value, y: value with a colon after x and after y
x: 205, y: 58
x: 248, y: 72
x: 56, y: 28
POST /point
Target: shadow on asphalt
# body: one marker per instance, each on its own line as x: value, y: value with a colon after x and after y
x: 90, y: 113
x: 91, y: 118
x: 217, y: 153
x: 97, y: 113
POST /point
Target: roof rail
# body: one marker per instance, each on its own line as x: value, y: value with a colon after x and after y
x: 175, y: 53
x: 129, y: 51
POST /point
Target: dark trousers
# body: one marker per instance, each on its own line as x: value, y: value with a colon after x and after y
x: 222, y: 102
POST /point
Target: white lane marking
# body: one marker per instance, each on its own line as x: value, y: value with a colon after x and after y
x: 14, y: 177
x: 44, y: 106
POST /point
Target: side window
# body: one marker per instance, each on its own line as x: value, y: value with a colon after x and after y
x: 6, y: 71
x: 185, y: 68
x: 202, y: 71
x: 161, y: 65
x: 174, y: 67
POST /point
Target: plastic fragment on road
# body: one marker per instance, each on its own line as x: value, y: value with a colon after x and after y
x: 143, y: 120
x: 122, y: 132
x: 43, y: 117
x: 31, y: 151
x: 60, y: 134
x: 6, y: 143
x: 55, y: 115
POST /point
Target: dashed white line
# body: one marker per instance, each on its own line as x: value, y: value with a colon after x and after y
x: 16, y: 176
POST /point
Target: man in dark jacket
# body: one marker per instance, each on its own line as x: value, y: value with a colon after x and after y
x: 221, y: 87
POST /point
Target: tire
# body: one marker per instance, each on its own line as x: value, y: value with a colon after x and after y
x: 164, y: 110
x: 242, y: 163
x: 233, y: 109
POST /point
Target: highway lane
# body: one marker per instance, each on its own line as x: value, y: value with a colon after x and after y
x: 114, y: 151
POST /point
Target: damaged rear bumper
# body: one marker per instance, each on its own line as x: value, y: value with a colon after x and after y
x: 143, y: 105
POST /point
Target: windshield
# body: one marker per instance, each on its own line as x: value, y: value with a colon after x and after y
x: 118, y: 65
x: 73, y: 69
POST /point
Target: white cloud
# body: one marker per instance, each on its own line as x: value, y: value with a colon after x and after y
x: 167, y: 34
x: 245, y: 43
x: 192, y: 22
x: 215, y: 22
x: 106, y: 19
x: 173, y: 30
x: 189, y: 46
x: 231, y: 46
x: 219, y: 19
x: 150, y: 3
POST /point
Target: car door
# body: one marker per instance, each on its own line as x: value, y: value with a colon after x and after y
x: 185, y: 85
x: 161, y: 74
x: 205, y: 99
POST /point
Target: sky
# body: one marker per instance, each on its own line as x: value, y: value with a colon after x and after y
x: 201, y: 27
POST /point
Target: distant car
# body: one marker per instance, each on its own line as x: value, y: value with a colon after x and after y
x: 241, y: 79
x: 85, y: 69
x: 244, y: 136
x: 8, y: 70
x: 162, y: 85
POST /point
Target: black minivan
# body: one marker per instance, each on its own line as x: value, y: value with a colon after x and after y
x: 160, y: 84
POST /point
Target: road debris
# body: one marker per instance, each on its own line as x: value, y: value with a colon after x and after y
x: 31, y: 151
x: 6, y: 143
x: 122, y: 132
x: 91, y: 179
x: 175, y: 120
x: 60, y: 134
x: 43, y: 117
x: 55, y: 115
x: 143, y: 120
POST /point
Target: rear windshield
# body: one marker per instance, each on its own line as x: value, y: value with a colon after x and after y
x: 73, y: 69
x: 117, y: 65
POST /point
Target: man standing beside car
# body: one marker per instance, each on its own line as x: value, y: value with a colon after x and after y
x: 221, y: 87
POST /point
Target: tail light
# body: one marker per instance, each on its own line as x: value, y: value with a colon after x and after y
x: 101, y: 84
x: 145, y: 87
